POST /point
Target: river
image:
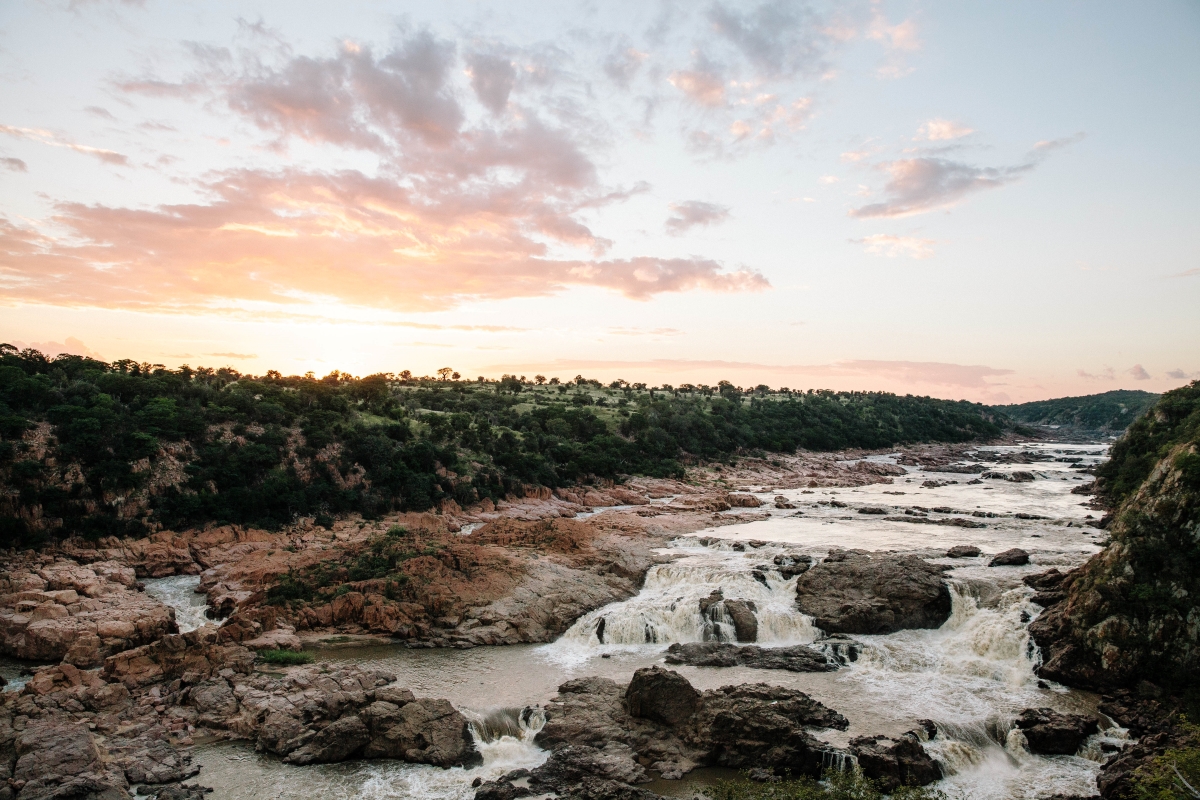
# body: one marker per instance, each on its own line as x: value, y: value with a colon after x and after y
x: 971, y: 677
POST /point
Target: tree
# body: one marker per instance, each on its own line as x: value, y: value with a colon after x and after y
x: 406, y: 375
x: 445, y: 372
x: 539, y: 379
x: 554, y: 381
x: 455, y: 376
x: 580, y: 380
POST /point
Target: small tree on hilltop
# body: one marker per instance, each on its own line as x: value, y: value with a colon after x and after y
x: 539, y: 379
x: 445, y: 372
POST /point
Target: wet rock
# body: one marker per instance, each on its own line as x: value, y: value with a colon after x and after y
x: 1019, y: 476
x: 895, y: 762
x: 865, y: 594
x: 663, y: 695
x: 1016, y: 557
x: 723, y: 654
x: 963, y: 551
x: 792, y: 564
x: 423, y: 731
x: 782, y: 502
x: 744, y: 501
x: 1050, y: 587
x: 336, y: 742
x: 878, y: 510
x: 59, y: 758
x: 745, y: 623
x: 1050, y: 733
x: 838, y: 648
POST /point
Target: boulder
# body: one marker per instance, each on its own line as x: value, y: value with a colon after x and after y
x: 1050, y: 733
x: 895, y: 762
x: 745, y: 624
x: 1016, y: 557
x: 744, y: 500
x: 723, y: 654
x: 338, y: 741
x: 792, y: 564
x: 424, y: 731
x: 963, y: 551
x: 662, y: 695
x: 876, y: 510
x: 854, y: 592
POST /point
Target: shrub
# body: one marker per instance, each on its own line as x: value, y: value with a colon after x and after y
x: 285, y: 658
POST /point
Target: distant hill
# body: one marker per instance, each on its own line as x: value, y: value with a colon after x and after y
x: 1110, y: 412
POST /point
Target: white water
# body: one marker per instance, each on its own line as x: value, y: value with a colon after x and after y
x: 179, y: 592
x: 668, y: 607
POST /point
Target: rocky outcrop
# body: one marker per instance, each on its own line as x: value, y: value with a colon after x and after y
x: 665, y: 724
x: 798, y: 658
x: 1050, y: 733
x: 963, y: 551
x: 1016, y: 557
x: 1130, y: 613
x: 53, y: 609
x: 857, y: 592
x: 895, y: 762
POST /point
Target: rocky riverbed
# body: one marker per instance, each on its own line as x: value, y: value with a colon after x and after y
x: 843, y: 609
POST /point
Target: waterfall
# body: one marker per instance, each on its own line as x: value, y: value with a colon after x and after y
x: 179, y: 592
x: 669, y: 607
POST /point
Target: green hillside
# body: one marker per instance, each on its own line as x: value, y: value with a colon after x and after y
x: 1110, y: 412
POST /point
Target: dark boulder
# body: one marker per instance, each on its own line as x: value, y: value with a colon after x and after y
x: 793, y: 564
x: 1051, y: 733
x: 745, y: 623
x: 723, y: 654
x: 895, y: 762
x: 963, y: 551
x: 1016, y: 557
x: 876, y: 510
x: 854, y: 592
x: 336, y: 742
x: 661, y: 695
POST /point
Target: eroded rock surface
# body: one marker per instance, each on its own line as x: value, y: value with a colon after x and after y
x: 799, y: 658
x: 857, y: 592
x: 1050, y: 733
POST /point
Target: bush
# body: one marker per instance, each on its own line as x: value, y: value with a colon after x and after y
x: 1167, y: 776
x: 285, y: 658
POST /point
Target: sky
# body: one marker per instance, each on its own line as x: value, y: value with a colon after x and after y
x: 994, y: 202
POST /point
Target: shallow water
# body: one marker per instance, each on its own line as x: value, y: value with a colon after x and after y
x: 971, y: 677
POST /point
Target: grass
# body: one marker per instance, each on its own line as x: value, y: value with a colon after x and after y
x: 285, y: 658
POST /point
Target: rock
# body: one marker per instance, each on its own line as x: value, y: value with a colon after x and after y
x: 338, y: 741
x: 963, y: 551
x: 792, y: 564
x: 860, y: 593
x: 59, y: 758
x: 1019, y: 476
x: 744, y: 501
x: 423, y: 731
x: 662, y: 695
x: 1050, y: 733
x: 723, y: 654
x: 1016, y: 557
x: 838, y: 648
x: 1050, y: 587
x: 782, y: 502
x: 745, y: 624
x: 879, y: 510
x: 895, y: 762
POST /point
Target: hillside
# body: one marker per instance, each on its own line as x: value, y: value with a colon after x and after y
x: 94, y: 449
x: 1130, y: 613
x: 1110, y: 412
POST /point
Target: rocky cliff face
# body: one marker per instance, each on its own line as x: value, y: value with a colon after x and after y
x: 1131, y: 613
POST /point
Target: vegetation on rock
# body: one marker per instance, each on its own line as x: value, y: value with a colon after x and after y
x: 285, y: 658
x: 95, y: 449
x: 850, y: 784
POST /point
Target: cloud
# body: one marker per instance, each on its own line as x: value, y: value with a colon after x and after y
x: 492, y: 78
x: 644, y: 331
x: 71, y: 346
x: 691, y: 213
x: 1138, y: 372
x: 14, y: 164
x: 1179, y: 374
x: 938, y: 130
x: 52, y: 139
x: 1107, y: 375
x: 917, y: 185
x: 1187, y: 273
x: 702, y: 84
x: 233, y: 355
x: 103, y: 113
x: 292, y: 237
x: 885, y: 244
x: 779, y: 39
x: 1050, y: 145
x: 458, y: 209
x: 622, y: 65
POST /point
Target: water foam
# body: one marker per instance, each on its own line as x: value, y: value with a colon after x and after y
x: 179, y: 593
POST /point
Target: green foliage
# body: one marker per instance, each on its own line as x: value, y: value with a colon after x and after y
x: 285, y: 658
x: 835, y: 785
x: 1110, y: 412
x: 1174, y: 420
x: 264, y: 451
x: 381, y: 560
x: 1164, y: 777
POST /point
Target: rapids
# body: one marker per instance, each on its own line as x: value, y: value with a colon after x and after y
x: 971, y: 677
